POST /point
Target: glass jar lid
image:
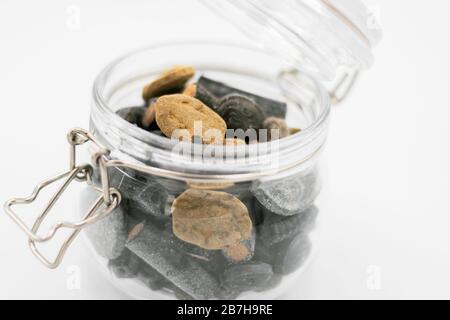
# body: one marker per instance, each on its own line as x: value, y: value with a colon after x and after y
x: 318, y: 36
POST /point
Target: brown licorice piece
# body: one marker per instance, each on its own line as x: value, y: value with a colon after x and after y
x: 181, y: 112
x: 190, y: 90
x: 169, y: 80
x: 241, y: 252
x: 294, y: 130
x: 210, y: 219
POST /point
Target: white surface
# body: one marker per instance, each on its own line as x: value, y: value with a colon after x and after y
x: 387, y: 212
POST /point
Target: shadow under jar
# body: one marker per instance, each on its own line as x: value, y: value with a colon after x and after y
x: 277, y: 181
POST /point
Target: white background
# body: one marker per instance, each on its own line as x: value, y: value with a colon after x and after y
x: 387, y: 214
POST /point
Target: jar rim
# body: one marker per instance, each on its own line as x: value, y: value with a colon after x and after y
x: 312, y: 132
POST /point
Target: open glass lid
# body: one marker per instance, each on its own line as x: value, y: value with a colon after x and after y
x: 317, y: 36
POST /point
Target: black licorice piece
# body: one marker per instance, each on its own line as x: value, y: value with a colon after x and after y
x: 272, y: 283
x: 240, y: 112
x: 207, y: 97
x: 172, y: 187
x: 252, y: 275
x: 271, y: 108
x: 181, y: 295
x: 255, y: 210
x: 288, y: 196
x: 133, y: 115
x: 152, y: 278
x: 126, y: 265
x: 108, y: 235
x: 296, y: 251
x: 147, y: 197
x: 158, y: 133
x: 152, y: 246
x: 278, y: 228
x: 286, y: 256
x: 151, y: 199
x: 224, y: 293
x: 156, y: 281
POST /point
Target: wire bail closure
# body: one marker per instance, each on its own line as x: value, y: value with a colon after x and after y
x: 108, y: 201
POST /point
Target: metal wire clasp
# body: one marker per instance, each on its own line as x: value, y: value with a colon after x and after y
x: 108, y: 201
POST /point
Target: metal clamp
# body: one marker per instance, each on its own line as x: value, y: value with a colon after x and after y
x: 103, y: 206
x: 109, y: 199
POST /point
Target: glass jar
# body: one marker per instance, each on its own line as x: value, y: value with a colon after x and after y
x: 266, y: 190
x: 277, y: 181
